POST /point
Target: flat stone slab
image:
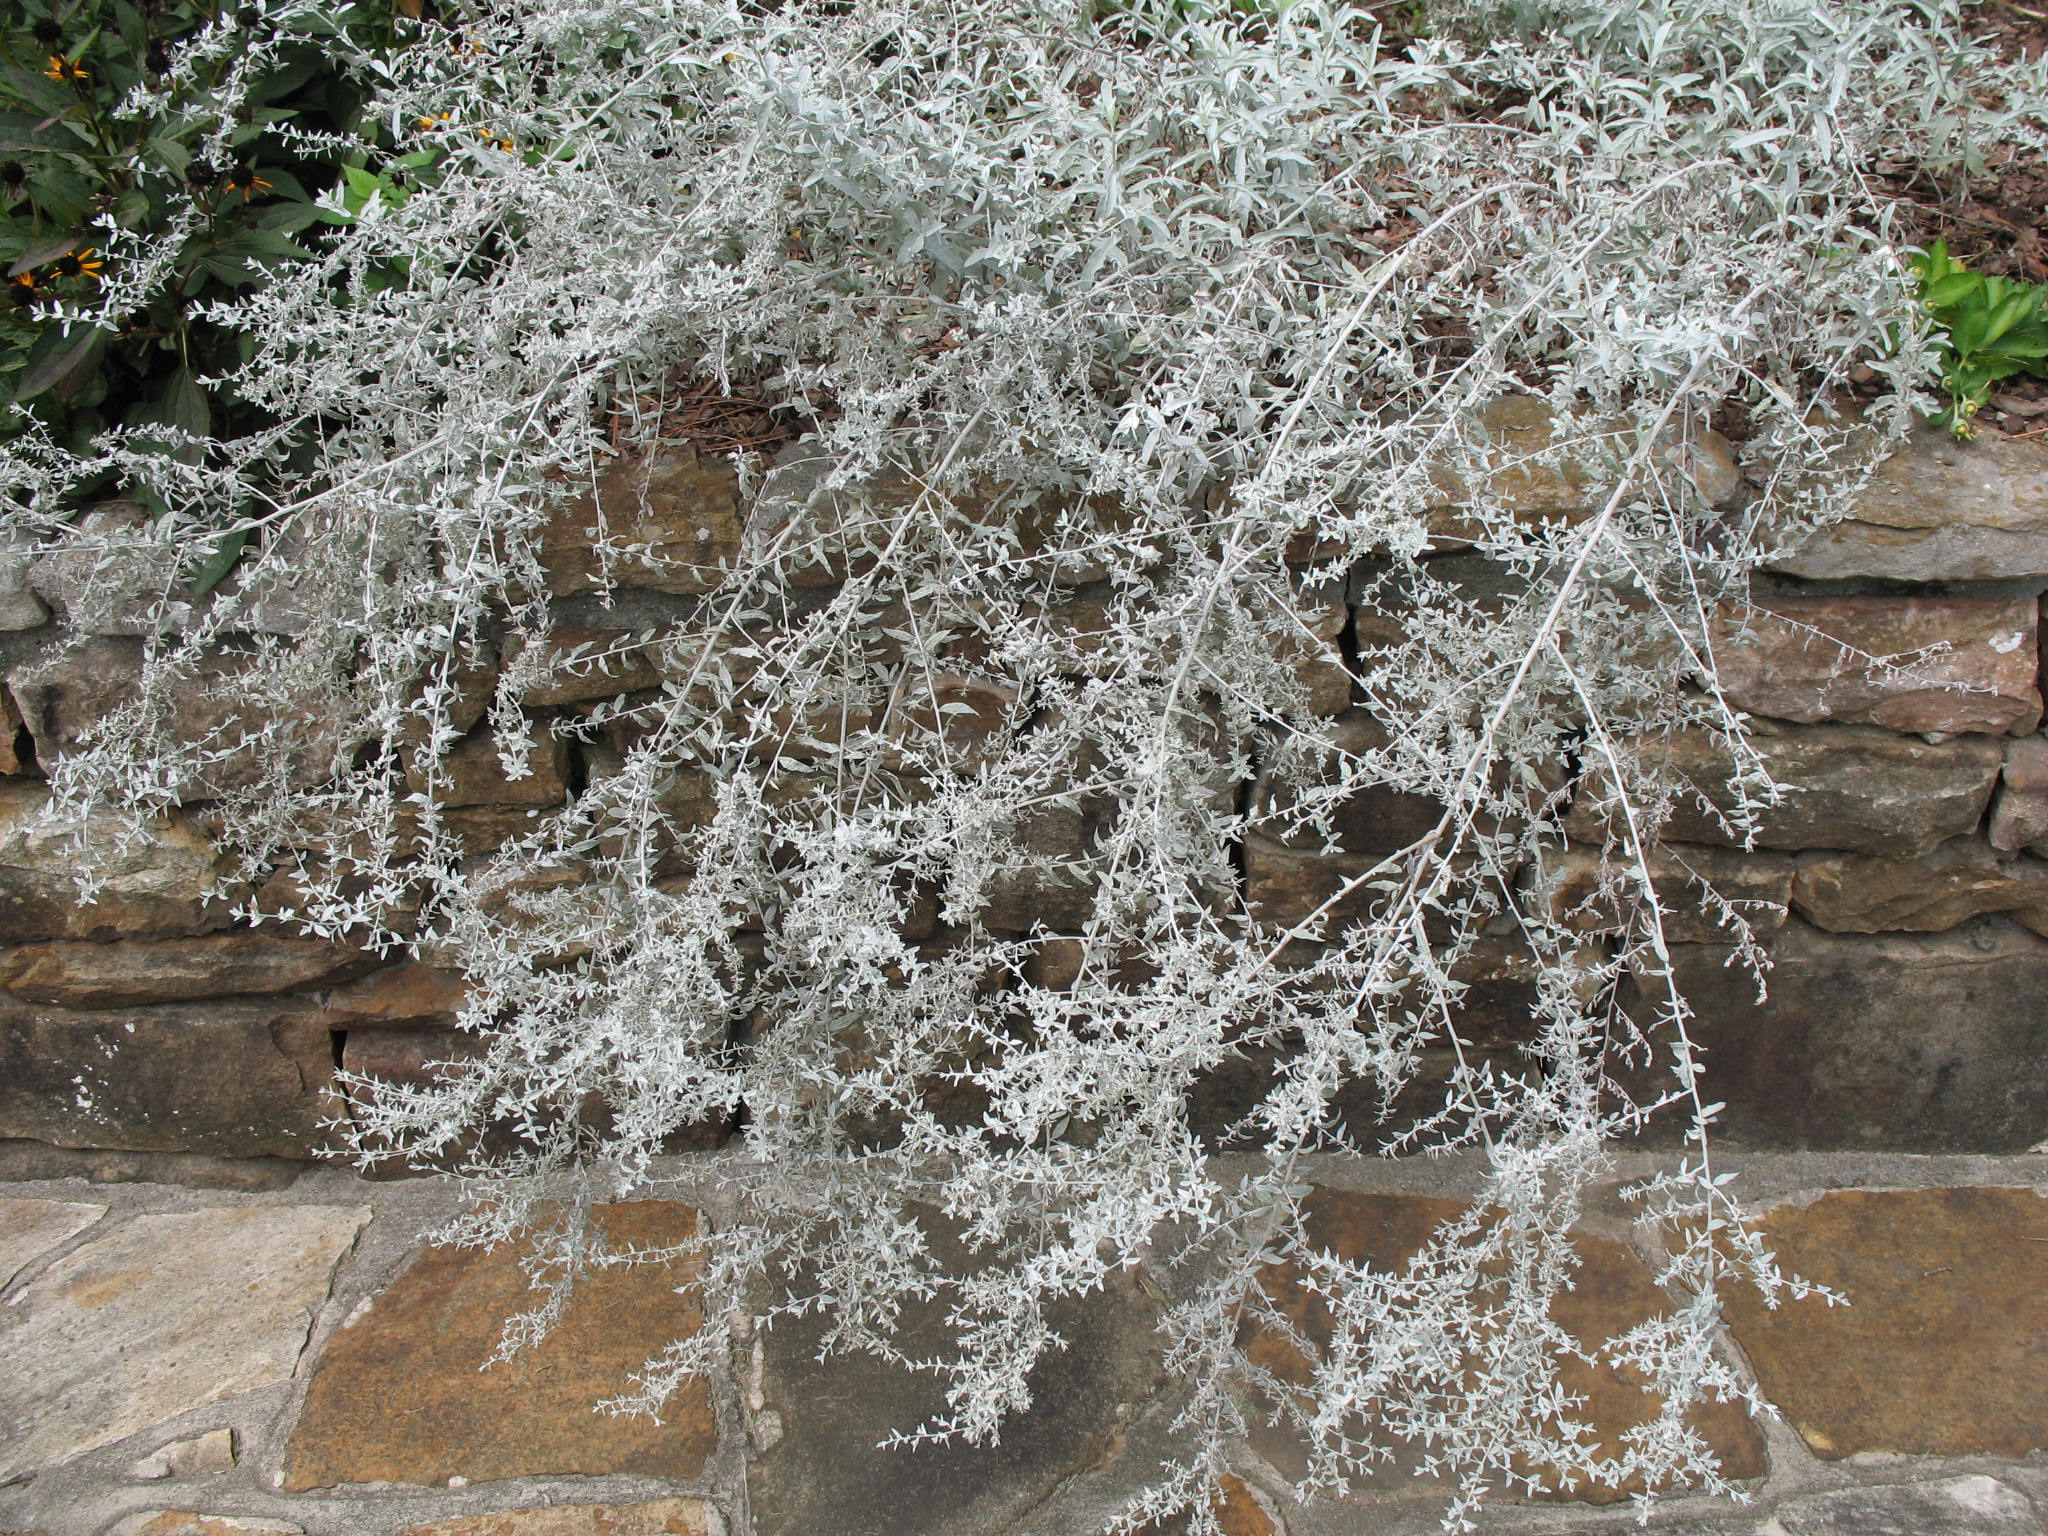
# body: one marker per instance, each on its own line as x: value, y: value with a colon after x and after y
x: 827, y: 1474
x: 662, y: 1517
x: 401, y: 1394
x: 184, y: 1522
x: 1954, y: 1506
x: 161, y: 1315
x: 31, y: 1228
x: 1943, y: 1350
x: 1612, y: 1292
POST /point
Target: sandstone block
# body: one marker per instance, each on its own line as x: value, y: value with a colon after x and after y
x: 669, y: 515
x: 77, y: 975
x: 412, y: 1057
x: 244, y: 1078
x: 1892, y: 1042
x: 1854, y: 787
x: 1816, y: 658
x: 576, y: 665
x: 214, y: 707
x: 408, y: 995
x: 819, y: 1423
x: 1962, y: 879
x: 1941, y: 510
x: 1971, y: 1505
x: 423, y: 1340
x: 1613, y: 1292
x: 31, y: 1228
x: 961, y: 720
x: 164, y: 882
x: 1588, y: 890
x: 2019, y: 811
x: 158, y: 1316
x: 1936, y: 1353
x: 474, y: 774
x: 202, y: 1456
x: 184, y: 1522
x: 1376, y: 820
x: 661, y: 1517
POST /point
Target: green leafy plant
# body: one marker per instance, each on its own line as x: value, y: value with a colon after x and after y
x: 1992, y: 328
x: 158, y: 157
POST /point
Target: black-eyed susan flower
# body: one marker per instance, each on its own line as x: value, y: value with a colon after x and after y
x: 158, y: 60
x: 62, y: 68
x: 78, y: 264
x: 13, y: 174
x: 47, y: 32
x: 243, y: 179
x: 202, y: 173
x: 437, y: 121
x: 22, y: 292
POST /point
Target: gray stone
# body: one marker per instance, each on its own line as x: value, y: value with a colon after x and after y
x: 1955, y: 1506
x: 660, y: 1517
x: 1854, y: 787
x: 20, y: 608
x: 114, y: 577
x: 31, y: 1228
x: 1941, y: 510
x: 22, y: 1160
x: 160, y: 879
x: 2019, y: 811
x: 202, y: 1456
x: 245, y: 1078
x: 159, y: 1316
x: 1883, y: 1042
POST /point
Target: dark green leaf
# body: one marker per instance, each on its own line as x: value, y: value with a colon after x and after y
x: 64, y: 360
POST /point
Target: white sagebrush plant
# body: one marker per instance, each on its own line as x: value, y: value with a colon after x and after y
x: 1168, y: 318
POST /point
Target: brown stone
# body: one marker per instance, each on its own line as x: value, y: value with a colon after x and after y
x: 1612, y: 1292
x: 413, y: 1057
x: 17, y: 751
x: 1878, y: 1042
x: 473, y: 773
x: 662, y: 1517
x: 1943, y: 1347
x: 584, y: 664
x: 962, y: 720
x: 1962, y: 879
x: 1586, y: 889
x: 183, y: 1522
x: 163, y: 883
x: 215, y: 706
x: 399, y: 1396
x: 409, y: 995
x: 1941, y: 510
x: 241, y: 1078
x: 2019, y: 811
x: 1238, y: 1510
x: 677, y: 512
x: 1856, y: 787
x: 1816, y: 658
x: 76, y: 975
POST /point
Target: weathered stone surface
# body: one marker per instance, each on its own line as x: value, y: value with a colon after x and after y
x: 183, y: 1522
x: 1817, y: 658
x: 826, y: 1475
x: 1943, y: 1347
x: 78, y: 975
x: 21, y: 1160
x: 1942, y: 510
x: 31, y: 1228
x: 1613, y: 1292
x: 662, y: 1517
x: 243, y: 1078
x: 1239, y: 1511
x: 2019, y: 812
x: 203, y: 1456
x: 961, y: 720
x: 406, y: 1056
x: 1586, y: 889
x: 1376, y: 820
x: 1896, y: 1042
x: 17, y: 747
x: 422, y: 1341
x: 1858, y: 788
x: 20, y: 608
x: 582, y: 664
x: 1962, y: 879
x: 113, y: 577
x: 161, y: 1315
x: 409, y: 995
x: 1973, y: 1505
x: 676, y: 509
x: 473, y: 773
x: 167, y: 882
x: 215, y: 706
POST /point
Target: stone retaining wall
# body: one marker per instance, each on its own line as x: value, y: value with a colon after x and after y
x: 200, y: 1317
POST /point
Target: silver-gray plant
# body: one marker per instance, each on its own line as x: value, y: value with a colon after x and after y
x: 1119, y: 340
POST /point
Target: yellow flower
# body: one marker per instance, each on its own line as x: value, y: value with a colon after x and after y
x: 437, y: 120
x: 62, y: 68
x: 79, y: 264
